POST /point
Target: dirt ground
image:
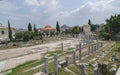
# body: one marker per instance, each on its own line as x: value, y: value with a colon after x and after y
x: 11, y: 58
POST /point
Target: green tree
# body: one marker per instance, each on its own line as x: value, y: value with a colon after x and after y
x: 89, y: 22
x: 9, y: 31
x: 35, y: 30
x: 115, y: 25
x: 94, y: 27
x: 19, y: 35
x: 27, y: 35
x: 112, y: 25
x: 76, y: 30
x: 29, y: 27
x: 106, y: 35
x: 47, y: 32
x: 58, y: 27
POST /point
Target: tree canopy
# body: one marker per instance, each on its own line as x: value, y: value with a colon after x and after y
x: 57, y: 27
x: 9, y: 31
x: 111, y: 27
x: 89, y: 22
x: 29, y: 27
x: 35, y: 30
x: 113, y: 24
x: 76, y: 30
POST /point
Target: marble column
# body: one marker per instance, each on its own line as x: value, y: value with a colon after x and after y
x: 95, y: 72
x: 62, y: 48
x: 74, y: 57
x: 88, y: 48
x: 56, y: 63
x: 92, y: 49
x: 80, y: 48
x: 66, y: 59
x: 46, y: 64
x: 83, y: 69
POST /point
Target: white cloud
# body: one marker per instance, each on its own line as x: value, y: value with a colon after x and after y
x: 51, y: 5
x: 7, y: 6
x: 98, y: 11
x: 49, y: 11
x: 97, y: 6
x: 32, y: 2
x: 47, y: 5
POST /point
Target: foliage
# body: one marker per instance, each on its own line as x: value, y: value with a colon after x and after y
x: 58, y: 27
x: 106, y: 35
x: 112, y: 26
x: 47, y: 32
x: 9, y: 31
x: 26, y: 36
x: 35, y: 30
x: 89, y: 22
x: 19, y: 35
x: 76, y: 30
x: 52, y: 33
x: 94, y: 27
x: 29, y: 27
x: 115, y: 25
x: 68, y: 31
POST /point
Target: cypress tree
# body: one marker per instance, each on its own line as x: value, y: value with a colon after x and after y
x: 89, y: 22
x: 35, y: 30
x: 57, y: 27
x: 29, y: 27
x: 9, y: 31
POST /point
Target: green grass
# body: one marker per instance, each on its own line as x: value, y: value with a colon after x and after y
x: 108, y: 56
x: 118, y: 44
x: 75, y: 69
x: 63, y: 72
x: 57, y: 52
x: 68, y: 52
x: 33, y: 71
x: 52, y: 53
x: 21, y: 68
x: 90, y: 70
x: 71, y: 48
x: 26, y: 66
x: 51, y: 67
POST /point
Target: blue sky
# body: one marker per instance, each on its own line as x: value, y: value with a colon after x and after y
x: 47, y: 12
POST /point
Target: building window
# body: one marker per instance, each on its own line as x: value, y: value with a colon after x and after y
x: 2, y: 32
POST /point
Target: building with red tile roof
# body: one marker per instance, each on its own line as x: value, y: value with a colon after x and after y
x: 48, y: 27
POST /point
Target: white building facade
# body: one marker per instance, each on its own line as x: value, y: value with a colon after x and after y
x: 4, y: 32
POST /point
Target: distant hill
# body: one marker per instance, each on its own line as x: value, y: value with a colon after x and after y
x: 65, y: 27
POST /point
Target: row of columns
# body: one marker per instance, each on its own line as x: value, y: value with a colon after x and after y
x: 91, y: 49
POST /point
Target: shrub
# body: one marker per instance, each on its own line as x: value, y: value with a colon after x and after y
x: 106, y: 35
x: 19, y: 35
